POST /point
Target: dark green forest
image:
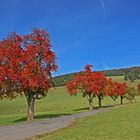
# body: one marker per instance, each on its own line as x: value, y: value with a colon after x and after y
x: 132, y: 74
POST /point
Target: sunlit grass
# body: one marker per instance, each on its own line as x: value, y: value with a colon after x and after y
x: 58, y: 102
x: 118, y: 124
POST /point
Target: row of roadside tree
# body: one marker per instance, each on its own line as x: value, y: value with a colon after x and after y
x: 27, y: 62
x: 95, y: 84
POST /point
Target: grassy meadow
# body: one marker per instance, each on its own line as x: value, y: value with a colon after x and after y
x: 119, y: 124
x: 58, y: 102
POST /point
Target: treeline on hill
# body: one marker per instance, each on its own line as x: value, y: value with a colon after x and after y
x: 132, y: 74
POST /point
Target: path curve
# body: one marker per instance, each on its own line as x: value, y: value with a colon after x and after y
x: 27, y: 130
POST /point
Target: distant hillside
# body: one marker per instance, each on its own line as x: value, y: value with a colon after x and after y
x: 128, y: 73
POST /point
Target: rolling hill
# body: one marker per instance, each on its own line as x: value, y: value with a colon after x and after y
x: 63, y: 79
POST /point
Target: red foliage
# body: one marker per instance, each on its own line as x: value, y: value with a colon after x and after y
x: 87, y: 81
x: 114, y: 88
x: 120, y: 88
x: 87, y: 68
x: 72, y: 87
x: 26, y: 62
x: 95, y: 83
x: 109, y: 88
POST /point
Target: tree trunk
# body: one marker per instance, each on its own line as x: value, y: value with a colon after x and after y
x: 100, y: 101
x: 90, y: 102
x: 30, y: 102
x: 90, y: 106
x: 114, y: 100
x: 121, y: 100
x: 30, y: 116
x: 114, y: 104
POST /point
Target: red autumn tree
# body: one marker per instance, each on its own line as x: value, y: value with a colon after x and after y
x: 82, y: 81
x: 26, y: 63
x: 99, y: 82
x: 89, y: 83
x: 122, y: 89
x: 115, y: 89
x: 110, y: 89
x: 119, y: 90
x: 10, y: 57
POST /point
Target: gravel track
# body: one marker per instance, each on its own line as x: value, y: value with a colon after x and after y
x: 27, y: 130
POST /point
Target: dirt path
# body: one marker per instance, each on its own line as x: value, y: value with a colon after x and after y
x: 23, y: 131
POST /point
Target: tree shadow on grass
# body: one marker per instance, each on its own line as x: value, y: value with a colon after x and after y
x: 43, y: 116
x: 94, y: 108
x: 81, y: 109
x: 106, y: 106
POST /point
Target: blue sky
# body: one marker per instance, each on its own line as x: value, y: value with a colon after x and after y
x: 104, y: 33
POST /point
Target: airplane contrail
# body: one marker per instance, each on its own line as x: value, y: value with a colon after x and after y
x: 103, y: 6
x: 84, y: 37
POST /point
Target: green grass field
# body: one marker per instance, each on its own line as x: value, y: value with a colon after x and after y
x: 119, y: 124
x: 121, y: 79
x: 57, y: 103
